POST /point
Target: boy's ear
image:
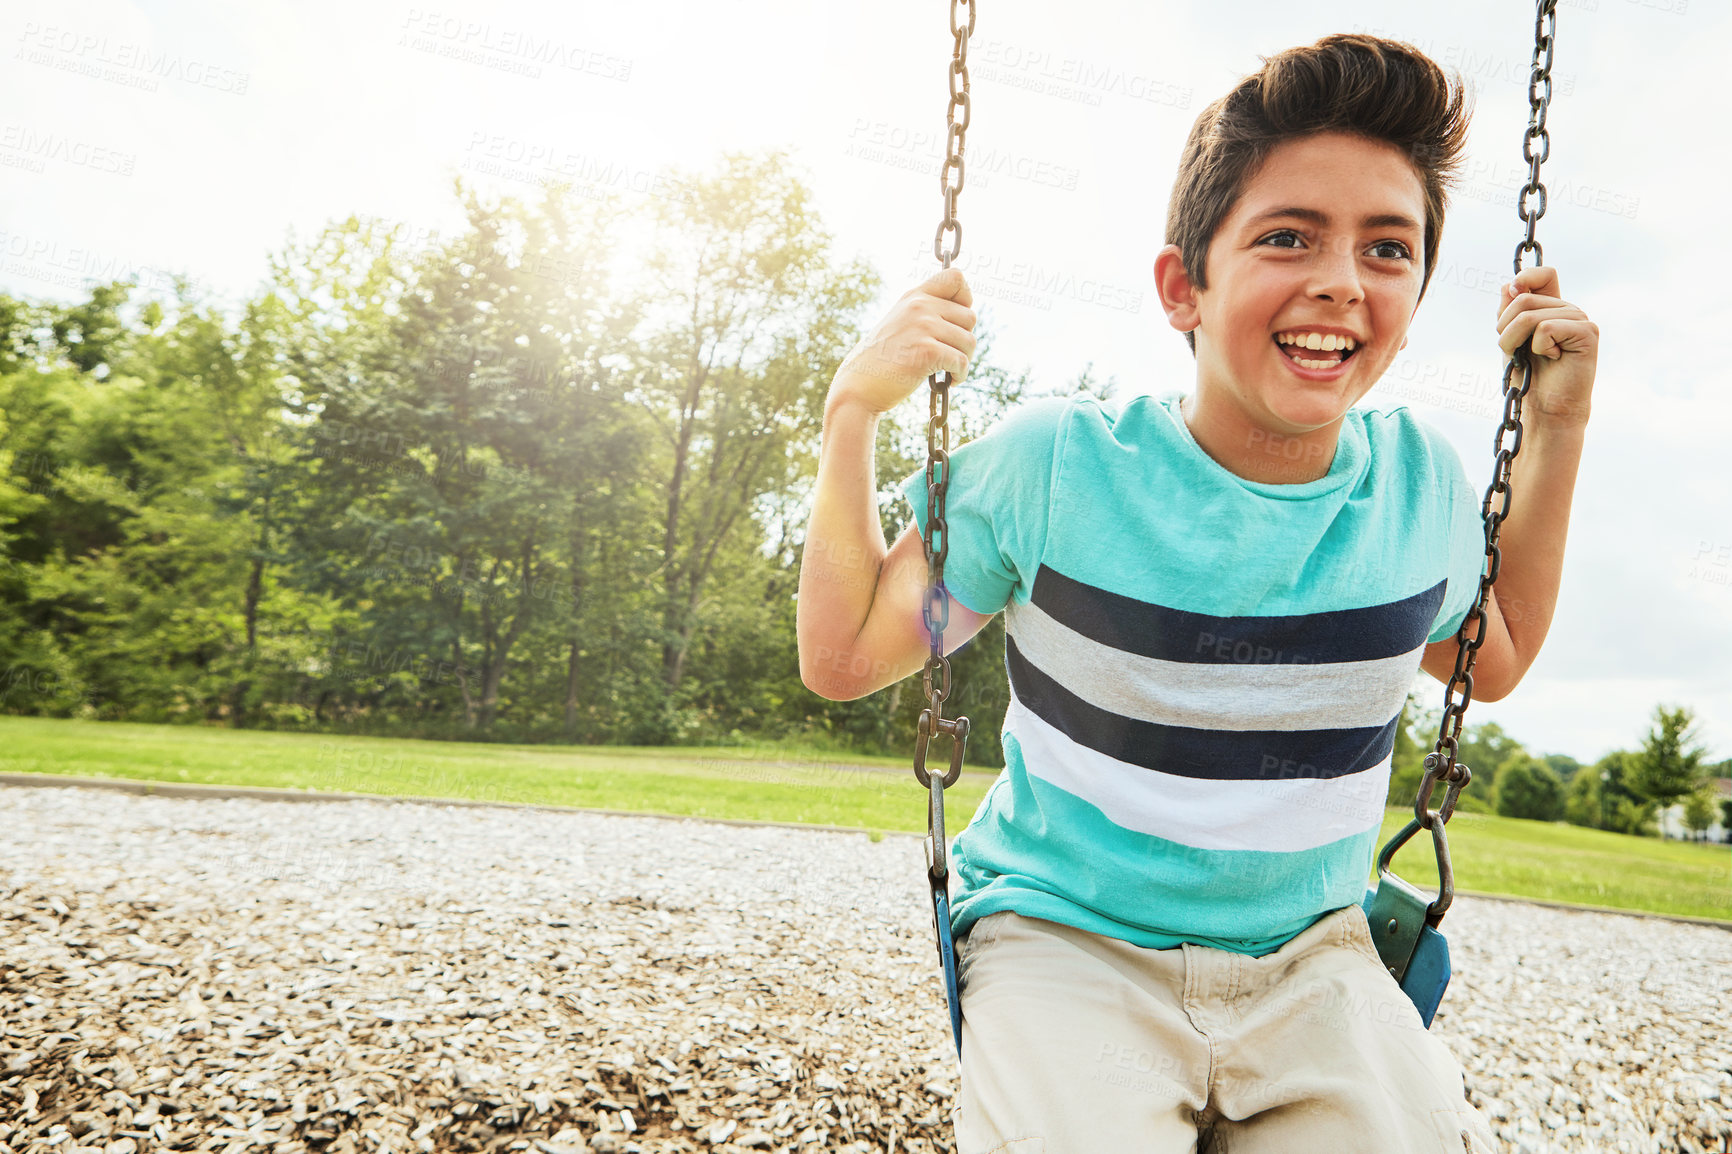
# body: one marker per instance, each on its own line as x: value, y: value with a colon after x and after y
x: 1178, y: 294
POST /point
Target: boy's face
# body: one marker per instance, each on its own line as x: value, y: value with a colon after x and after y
x: 1327, y: 239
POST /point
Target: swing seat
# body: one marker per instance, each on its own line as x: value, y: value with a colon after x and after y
x: 1414, y: 952
x: 947, y: 960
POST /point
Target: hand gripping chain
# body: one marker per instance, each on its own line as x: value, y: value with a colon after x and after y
x: 936, y: 677
x: 1400, y: 917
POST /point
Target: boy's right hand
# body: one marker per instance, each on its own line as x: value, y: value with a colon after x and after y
x: 929, y: 330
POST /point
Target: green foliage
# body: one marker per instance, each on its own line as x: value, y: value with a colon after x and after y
x: 1407, y: 763
x: 1621, y: 809
x: 1563, y: 765
x: 1582, y: 805
x: 483, y: 484
x: 1527, y: 788
x: 1482, y: 749
x: 1699, y: 810
x: 1671, y: 763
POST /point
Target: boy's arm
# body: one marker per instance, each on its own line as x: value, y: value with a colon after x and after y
x: 860, y: 620
x: 1542, y: 482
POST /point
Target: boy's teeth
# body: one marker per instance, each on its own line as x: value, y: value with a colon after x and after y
x: 1325, y: 343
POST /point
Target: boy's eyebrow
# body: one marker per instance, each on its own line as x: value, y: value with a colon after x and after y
x: 1314, y: 216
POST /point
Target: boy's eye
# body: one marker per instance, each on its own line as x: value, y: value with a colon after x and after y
x: 1286, y: 232
x: 1400, y: 250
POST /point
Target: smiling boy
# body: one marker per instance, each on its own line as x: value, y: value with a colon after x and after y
x: 1215, y: 605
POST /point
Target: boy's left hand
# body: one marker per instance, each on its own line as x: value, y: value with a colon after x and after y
x: 1566, y: 344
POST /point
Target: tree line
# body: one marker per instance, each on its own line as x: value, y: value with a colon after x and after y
x: 543, y: 479
x: 1624, y: 791
x: 524, y: 482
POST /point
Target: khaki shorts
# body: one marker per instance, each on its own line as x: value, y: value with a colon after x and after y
x: 1073, y: 1042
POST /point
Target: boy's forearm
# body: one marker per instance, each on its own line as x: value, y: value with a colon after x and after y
x: 845, y: 546
x: 1531, y: 539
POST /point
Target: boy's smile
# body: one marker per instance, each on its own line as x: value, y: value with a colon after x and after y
x: 1313, y: 278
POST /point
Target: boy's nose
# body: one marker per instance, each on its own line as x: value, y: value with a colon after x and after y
x: 1335, y: 276
x: 1340, y: 289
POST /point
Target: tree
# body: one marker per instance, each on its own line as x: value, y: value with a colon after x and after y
x: 1582, y: 805
x: 1563, y: 765
x: 1670, y: 764
x: 1528, y: 788
x: 746, y: 324
x: 480, y: 465
x: 1726, y: 817
x: 1622, y: 810
x: 1482, y: 748
x: 1699, y: 811
x: 1485, y: 749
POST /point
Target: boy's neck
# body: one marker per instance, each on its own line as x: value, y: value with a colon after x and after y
x: 1247, y: 450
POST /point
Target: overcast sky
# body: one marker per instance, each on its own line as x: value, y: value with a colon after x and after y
x: 184, y: 137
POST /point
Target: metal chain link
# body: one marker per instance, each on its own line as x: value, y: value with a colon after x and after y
x: 946, y: 244
x: 936, y: 539
x: 1440, y: 763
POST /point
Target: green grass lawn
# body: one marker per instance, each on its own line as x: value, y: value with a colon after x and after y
x: 1500, y: 855
x: 1567, y: 863
x: 757, y: 784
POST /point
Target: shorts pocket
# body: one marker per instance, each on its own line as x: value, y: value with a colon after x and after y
x: 979, y: 936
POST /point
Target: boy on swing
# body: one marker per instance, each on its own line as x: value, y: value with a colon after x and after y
x: 1215, y: 605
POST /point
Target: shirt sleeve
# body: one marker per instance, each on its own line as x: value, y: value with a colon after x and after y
x: 1466, y: 541
x: 996, y: 505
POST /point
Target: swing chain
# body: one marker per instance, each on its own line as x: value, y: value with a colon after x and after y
x: 1539, y: 99
x: 936, y: 676
x: 950, y: 228
x: 1440, y: 764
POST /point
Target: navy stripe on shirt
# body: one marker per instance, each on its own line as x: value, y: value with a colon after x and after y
x: 1112, y: 619
x: 1219, y: 754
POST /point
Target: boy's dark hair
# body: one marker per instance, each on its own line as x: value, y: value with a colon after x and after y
x: 1380, y: 89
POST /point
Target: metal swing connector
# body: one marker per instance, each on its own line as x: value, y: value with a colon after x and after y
x: 1402, y: 918
x: 957, y: 727
x: 1455, y: 777
x: 937, y: 864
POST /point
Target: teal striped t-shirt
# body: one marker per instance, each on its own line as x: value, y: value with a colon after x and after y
x: 1206, y: 672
